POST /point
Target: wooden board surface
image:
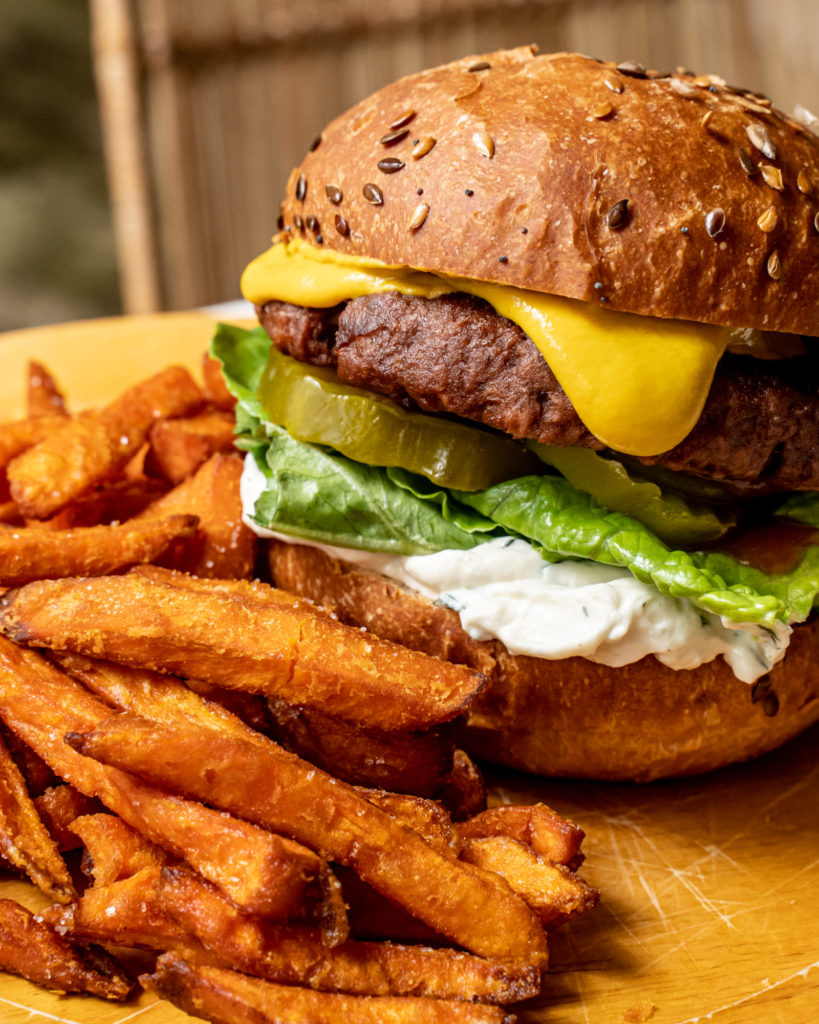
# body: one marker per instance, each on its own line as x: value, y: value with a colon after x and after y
x: 710, y: 886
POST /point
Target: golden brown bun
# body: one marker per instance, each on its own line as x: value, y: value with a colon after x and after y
x: 573, y: 717
x: 570, y: 138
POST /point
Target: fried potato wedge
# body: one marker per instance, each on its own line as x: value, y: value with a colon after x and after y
x: 31, y: 949
x: 251, y: 708
x: 216, y: 390
x: 179, y: 447
x: 226, y: 546
x: 265, y: 873
x: 27, y: 555
x: 43, y: 397
x: 227, y: 997
x: 555, y: 893
x: 10, y: 513
x: 536, y: 825
x: 110, y: 503
x: 284, y: 651
x: 404, y: 762
x: 94, y: 447
x: 297, y: 956
x: 123, y: 913
x: 288, y: 795
x: 59, y: 807
x: 426, y: 817
x: 463, y: 792
x: 253, y: 592
x: 114, y: 850
x: 24, y: 840
x: 170, y: 701
x: 19, y: 435
x: 373, y: 916
x: 39, y: 777
x: 152, y: 695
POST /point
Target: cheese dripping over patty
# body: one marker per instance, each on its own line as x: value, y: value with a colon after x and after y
x: 638, y: 383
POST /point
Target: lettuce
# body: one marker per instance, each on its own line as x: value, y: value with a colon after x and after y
x: 564, y: 522
x: 803, y: 507
x: 315, y: 493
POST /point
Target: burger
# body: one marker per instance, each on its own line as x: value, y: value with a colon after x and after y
x: 535, y: 389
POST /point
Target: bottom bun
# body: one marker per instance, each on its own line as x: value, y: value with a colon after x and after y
x: 574, y: 717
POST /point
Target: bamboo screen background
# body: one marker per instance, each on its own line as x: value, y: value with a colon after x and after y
x: 208, y: 104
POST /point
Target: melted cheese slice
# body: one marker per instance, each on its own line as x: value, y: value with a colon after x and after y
x: 638, y: 383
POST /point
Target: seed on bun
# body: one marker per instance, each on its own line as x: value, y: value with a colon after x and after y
x: 651, y: 186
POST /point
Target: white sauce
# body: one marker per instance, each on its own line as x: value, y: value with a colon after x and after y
x: 504, y: 590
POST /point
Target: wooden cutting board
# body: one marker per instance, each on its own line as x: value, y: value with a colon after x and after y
x: 710, y: 886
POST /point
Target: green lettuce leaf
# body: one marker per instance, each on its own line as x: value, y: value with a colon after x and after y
x: 803, y: 507
x: 564, y: 522
x: 243, y: 355
x: 318, y: 494
x: 315, y: 493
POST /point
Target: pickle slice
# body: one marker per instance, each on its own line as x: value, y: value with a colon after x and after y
x: 313, y: 405
x: 671, y: 517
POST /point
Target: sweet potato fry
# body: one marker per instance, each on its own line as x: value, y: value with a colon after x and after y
x: 426, y: 817
x: 227, y: 997
x: 405, y: 762
x: 10, y: 513
x: 290, y: 796
x: 152, y: 695
x: 287, y: 652
x: 162, y: 698
x: 216, y: 390
x: 249, y: 707
x: 114, y: 850
x: 94, y: 447
x: 252, y: 592
x: 27, y: 555
x: 24, y: 840
x: 123, y: 913
x: 170, y: 701
x: 179, y: 447
x: 44, y: 395
x: 463, y: 792
x: 111, y: 503
x: 31, y: 949
x: 297, y: 956
x: 20, y: 435
x: 265, y: 873
x: 226, y: 547
x: 373, y: 916
x: 555, y: 893
x: 59, y: 807
x: 536, y: 825
x: 39, y: 777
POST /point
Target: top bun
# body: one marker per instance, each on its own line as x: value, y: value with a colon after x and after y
x: 666, y: 195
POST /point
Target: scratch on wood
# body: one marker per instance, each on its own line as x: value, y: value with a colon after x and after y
x: 40, y: 1013
x: 754, y: 995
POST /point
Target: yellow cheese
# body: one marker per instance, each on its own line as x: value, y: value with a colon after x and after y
x: 638, y: 383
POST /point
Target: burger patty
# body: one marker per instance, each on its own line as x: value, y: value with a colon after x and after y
x: 455, y: 354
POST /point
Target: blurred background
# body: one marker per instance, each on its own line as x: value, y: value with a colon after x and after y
x: 145, y: 144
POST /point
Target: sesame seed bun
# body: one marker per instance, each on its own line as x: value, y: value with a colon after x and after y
x: 573, y: 717
x: 665, y: 195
